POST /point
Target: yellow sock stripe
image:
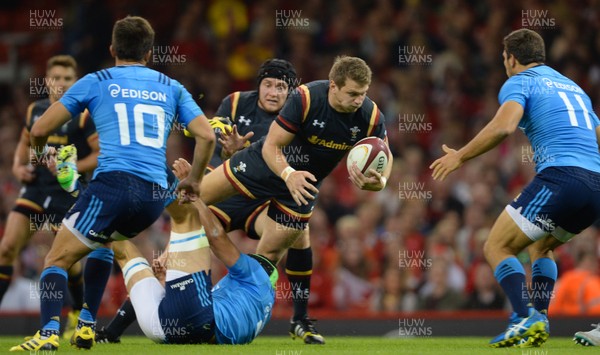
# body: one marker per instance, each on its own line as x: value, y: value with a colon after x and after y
x: 4, y: 277
x: 298, y: 273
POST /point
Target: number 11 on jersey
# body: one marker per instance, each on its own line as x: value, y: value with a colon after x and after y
x: 571, y: 109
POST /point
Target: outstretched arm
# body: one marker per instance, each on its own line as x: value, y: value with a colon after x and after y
x: 503, y: 124
x: 218, y: 240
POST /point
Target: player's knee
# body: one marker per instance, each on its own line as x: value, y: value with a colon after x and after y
x: 488, y: 249
x: 8, y: 252
x: 303, y: 241
x: 537, y: 251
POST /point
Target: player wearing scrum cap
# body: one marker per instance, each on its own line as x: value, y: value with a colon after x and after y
x: 319, y: 123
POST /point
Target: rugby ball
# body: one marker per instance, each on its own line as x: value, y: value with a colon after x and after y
x: 369, y: 153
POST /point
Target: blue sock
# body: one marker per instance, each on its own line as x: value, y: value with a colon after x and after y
x: 53, y: 286
x: 96, y: 273
x: 86, y: 316
x: 510, y: 274
x: 544, y: 274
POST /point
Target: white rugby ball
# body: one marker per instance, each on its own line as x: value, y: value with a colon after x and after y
x: 369, y: 153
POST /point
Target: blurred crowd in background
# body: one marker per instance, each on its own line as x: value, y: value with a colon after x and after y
x: 437, y: 69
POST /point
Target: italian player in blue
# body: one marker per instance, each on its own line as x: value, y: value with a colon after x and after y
x: 188, y: 309
x: 133, y: 108
x: 253, y: 111
x: 561, y: 200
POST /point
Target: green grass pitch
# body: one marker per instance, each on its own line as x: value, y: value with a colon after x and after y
x: 335, y: 345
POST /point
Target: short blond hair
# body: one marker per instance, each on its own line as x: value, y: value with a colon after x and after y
x: 353, y: 68
x: 62, y: 60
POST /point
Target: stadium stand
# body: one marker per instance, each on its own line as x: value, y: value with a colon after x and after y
x: 436, y: 75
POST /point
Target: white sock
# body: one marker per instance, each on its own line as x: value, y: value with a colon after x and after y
x: 134, y: 266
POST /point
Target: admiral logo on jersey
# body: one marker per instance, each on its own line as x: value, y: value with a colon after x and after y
x: 329, y: 143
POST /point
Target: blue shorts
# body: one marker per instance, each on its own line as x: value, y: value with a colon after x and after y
x: 116, y: 205
x: 561, y: 201
x: 171, y: 191
x: 186, y: 312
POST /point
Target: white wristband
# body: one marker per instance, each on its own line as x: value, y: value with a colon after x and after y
x: 384, y: 181
x: 285, y: 174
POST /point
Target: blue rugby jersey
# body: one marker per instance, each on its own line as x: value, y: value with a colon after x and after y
x: 134, y: 109
x: 558, y: 118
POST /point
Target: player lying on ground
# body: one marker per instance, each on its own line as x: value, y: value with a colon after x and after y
x: 564, y: 196
x: 252, y: 112
x: 188, y: 310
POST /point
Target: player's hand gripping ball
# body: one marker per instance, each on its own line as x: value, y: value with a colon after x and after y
x: 369, y: 153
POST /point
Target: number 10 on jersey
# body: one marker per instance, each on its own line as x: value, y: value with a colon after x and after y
x: 157, y: 127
